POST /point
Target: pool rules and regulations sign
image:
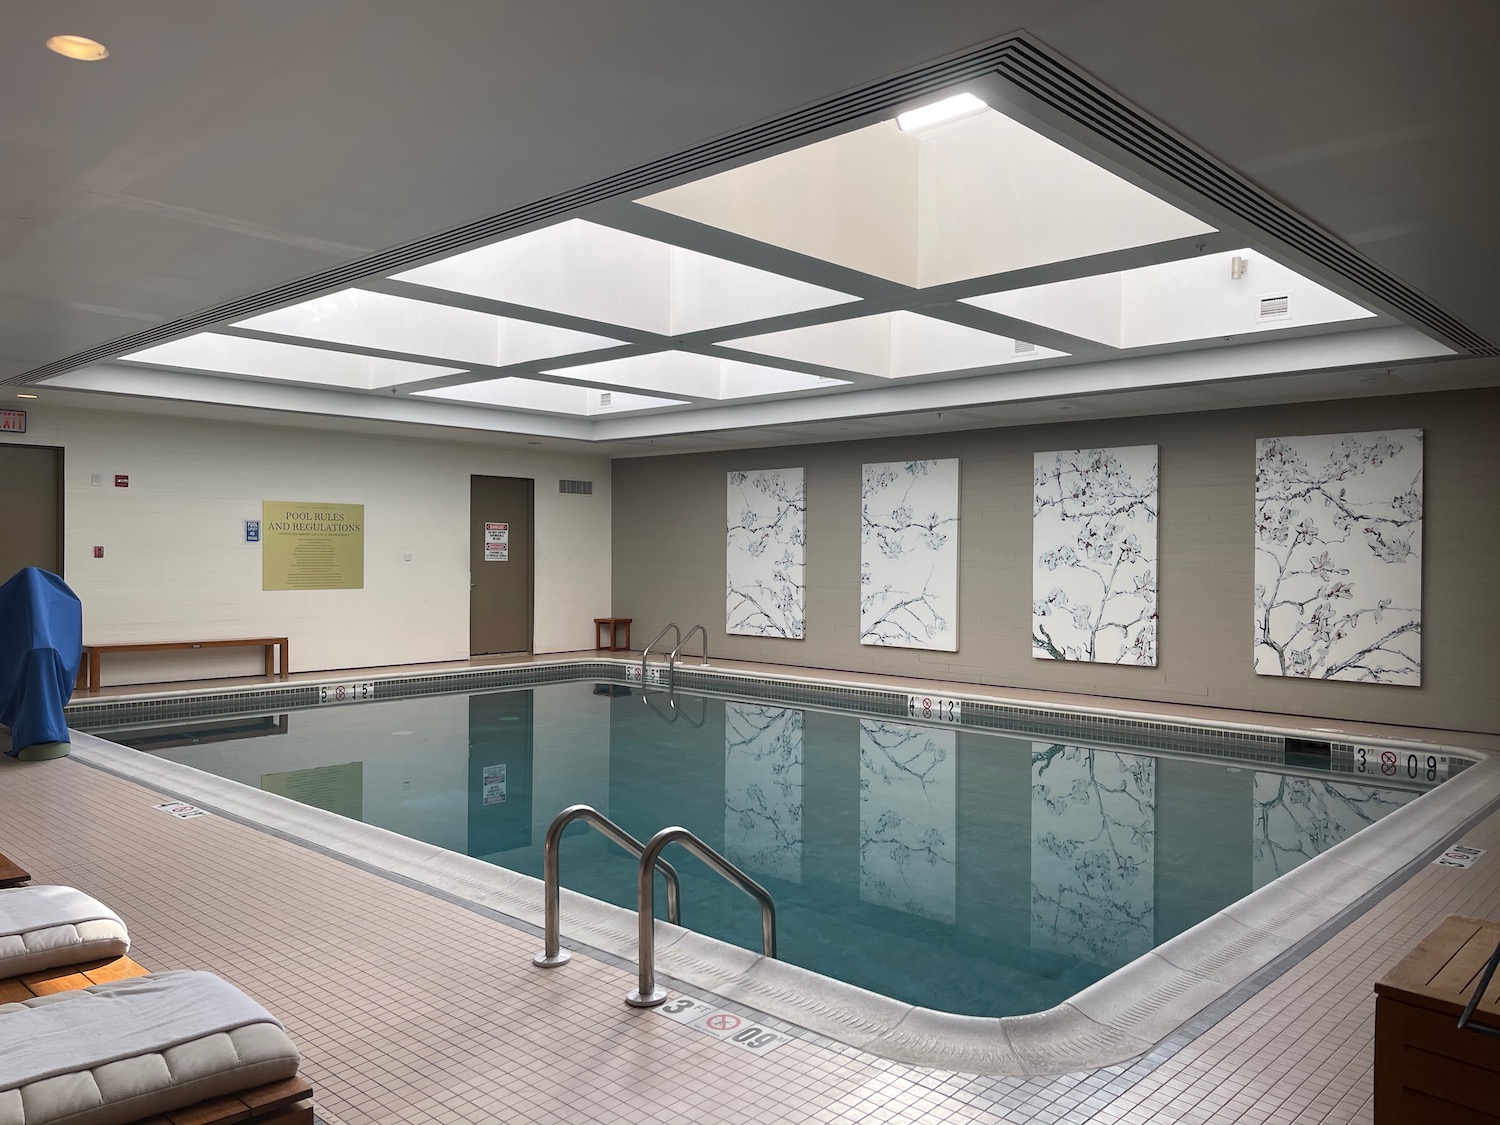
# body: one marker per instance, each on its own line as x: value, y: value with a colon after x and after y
x: 497, y: 542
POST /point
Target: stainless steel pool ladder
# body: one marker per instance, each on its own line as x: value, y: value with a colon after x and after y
x: 672, y: 658
x: 552, y: 953
x: 646, y: 993
x: 675, y: 710
x: 670, y: 627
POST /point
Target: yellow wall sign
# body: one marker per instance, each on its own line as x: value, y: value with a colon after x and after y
x: 312, y: 546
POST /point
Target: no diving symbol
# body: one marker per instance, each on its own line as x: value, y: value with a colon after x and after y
x: 1387, y: 761
x: 722, y: 1021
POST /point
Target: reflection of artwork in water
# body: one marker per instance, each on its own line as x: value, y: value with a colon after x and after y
x: 1338, y: 557
x: 1093, y: 853
x: 1297, y: 818
x: 908, y: 581
x: 908, y: 814
x: 763, y: 789
x: 764, y: 542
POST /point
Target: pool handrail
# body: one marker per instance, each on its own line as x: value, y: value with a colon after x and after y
x: 672, y: 658
x: 552, y: 954
x: 647, y: 994
x: 672, y: 626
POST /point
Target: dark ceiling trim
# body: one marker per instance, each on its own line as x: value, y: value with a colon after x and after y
x: 1017, y: 59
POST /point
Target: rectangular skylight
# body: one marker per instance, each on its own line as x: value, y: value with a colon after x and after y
x: 423, y: 328
x: 213, y: 354
x: 550, y: 398
x: 700, y: 376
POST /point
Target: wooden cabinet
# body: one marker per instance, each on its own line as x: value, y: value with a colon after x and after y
x: 1427, y: 1071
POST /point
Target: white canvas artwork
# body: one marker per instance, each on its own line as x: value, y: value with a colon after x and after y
x: 908, y: 594
x: 1297, y: 818
x: 1093, y: 853
x: 764, y: 544
x: 763, y: 789
x: 1093, y: 555
x: 1338, y: 557
x: 908, y: 818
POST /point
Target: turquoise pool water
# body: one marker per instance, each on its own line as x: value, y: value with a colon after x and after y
x: 967, y: 871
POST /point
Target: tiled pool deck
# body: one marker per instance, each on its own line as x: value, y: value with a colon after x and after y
x: 413, y: 1007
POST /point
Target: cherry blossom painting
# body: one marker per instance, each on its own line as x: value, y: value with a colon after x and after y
x: 1093, y: 555
x: 1093, y: 853
x: 908, y: 818
x: 763, y: 789
x: 1338, y: 557
x: 908, y: 593
x: 764, y: 540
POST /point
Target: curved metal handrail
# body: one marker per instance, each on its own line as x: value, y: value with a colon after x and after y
x: 552, y: 955
x: 676, y: 710
x: 672, y: 658
x: 645, y: 652
x: 647, y: 994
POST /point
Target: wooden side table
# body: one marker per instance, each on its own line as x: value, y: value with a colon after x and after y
x: 614, y: 624
x: 12, y: 874
x: 1426, y: 1069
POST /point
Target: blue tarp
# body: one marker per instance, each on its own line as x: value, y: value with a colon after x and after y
x: 41, y: 642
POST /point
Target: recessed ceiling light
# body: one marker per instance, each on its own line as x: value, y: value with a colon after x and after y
x: 949, y: 109
x: 78, y: 47
x: 21, y: 395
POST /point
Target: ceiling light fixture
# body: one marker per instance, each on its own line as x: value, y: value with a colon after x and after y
x: 938, y: 113
x: 22, y: 395
x: 78, y: 47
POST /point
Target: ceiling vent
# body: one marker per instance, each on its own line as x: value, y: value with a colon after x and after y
x: 1276, y: 307
x: 1025, y: 347
x: 576, y: 487
x: 605, y: 398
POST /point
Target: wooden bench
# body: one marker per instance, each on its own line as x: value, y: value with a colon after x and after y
x: 88, y: 671
x: 285, y: 1102
x: 12, y: 874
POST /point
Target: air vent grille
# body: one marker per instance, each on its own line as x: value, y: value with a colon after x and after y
x: 1018, y: 60
x: 1277, y: 307
x: 576, y: 487
x: 606, y: 398
x: 1025, y: 347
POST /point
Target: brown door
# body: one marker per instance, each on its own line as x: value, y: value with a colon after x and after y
x: 31, y: 500
x: 500, y: 580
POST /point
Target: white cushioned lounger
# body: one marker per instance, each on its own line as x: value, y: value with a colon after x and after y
x: 132, y: 1049
x: 46, y: 927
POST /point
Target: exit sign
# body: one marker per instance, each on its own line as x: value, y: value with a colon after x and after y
x: 12, y: 421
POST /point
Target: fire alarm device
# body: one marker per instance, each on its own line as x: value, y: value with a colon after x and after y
x: 98, y: 552
x: 122, y: 481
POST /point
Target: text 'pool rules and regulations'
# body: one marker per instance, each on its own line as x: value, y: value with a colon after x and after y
x: 308, y: 545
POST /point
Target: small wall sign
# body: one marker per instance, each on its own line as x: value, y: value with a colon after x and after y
x: 252, y: 531
x: 12, y: 421
x: 497, y: 542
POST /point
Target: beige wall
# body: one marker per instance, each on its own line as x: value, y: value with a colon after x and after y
x: 669, y: 558
x: 176, y: 566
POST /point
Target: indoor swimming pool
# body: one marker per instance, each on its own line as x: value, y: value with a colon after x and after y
x: 966, y: 870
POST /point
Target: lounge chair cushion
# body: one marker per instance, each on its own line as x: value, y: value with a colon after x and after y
x: 167, y: 1061
x: 45, y: 927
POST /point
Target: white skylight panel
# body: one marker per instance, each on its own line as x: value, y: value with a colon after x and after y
x: 552, y: 398
x: 892, y: 346
x: 399, y: 324
x: 1173, y: 302
x: 263, y: 359
x: 613, y: 277
x: 701, y: 376
x: 966, y: 198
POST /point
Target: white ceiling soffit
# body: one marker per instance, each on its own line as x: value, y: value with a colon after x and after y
x: 698, y: 376
x: 550, y: 398
x: 1216, y: 295
x: 977, y: 196
x: 601, y: 274
x: 215, y: 354
x: 385, y: 322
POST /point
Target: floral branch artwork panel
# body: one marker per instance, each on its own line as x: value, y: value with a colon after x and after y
x: 908, y: 592
x: 1093, y: 555
x: 908, y: 818
x: 1297, y: 818
x: 765, y: 538
x: 763, y: 789
x: 1093, y: 853
x: 1338, y: 557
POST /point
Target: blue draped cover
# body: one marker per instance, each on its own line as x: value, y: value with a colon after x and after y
x: 41, y: 642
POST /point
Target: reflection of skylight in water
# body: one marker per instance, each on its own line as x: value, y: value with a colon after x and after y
x: 893, y: 346
x: 1192, y: 299
x: 551, y: 398
x: 399, y: 324
x: 264, y: 359
x: 967, y: 198
x: 598, y: 273
x: 701, y: 376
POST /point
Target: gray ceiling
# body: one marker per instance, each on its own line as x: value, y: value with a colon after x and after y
x: 229, y: 146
